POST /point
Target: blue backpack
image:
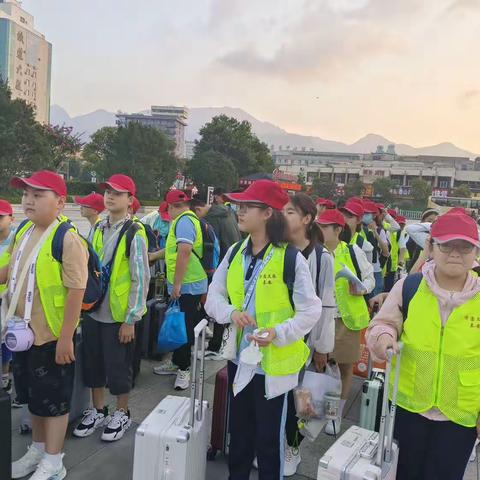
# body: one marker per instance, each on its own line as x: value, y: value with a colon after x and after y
x: 94, y: 290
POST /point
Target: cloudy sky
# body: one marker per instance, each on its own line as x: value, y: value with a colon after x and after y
x: 339, y: 69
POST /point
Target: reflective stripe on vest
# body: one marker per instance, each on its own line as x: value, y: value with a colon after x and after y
x: 272, y: 307
x: 195, y: 271
x: 394, y: 250
x: 440, y: 366
x: 48, y: 278
x: 120, y: 280
x: 352, y: 308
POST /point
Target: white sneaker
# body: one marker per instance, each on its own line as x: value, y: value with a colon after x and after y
x: 46, y: 471
x: 292, y: 460
x: 92, y: 419
x: 255, y: 463
x: 182, y: 382
x: 28, y: 463
x: 166, y: 368
x: 211, y: 355
x: 329, y: 430
x: 208, y: 332
x: 117, y: 426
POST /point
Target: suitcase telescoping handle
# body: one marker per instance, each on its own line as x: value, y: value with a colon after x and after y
x: 197, y: 387
x: 385, y: 435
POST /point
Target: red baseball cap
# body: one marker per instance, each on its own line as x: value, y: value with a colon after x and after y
x: 370, y: 207
x: 392, y: 212
x: 42, y: 180
x: 455, y: 227
x: 331, y: 217
x: 163, y: 211
x: 380, y: 206
x: 401, y: 220
x: 325, y: 202
x: 176, y: 196
x: 120, y: 183
x: 456, y: 210
x: 135, y: 205
x: 354, y: 207
x: 262, y: 191
x: 93, y: 200
x: 5, y: 208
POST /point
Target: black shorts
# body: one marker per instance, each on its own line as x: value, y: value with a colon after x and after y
x: 106, y: 361
x: 39, y: 381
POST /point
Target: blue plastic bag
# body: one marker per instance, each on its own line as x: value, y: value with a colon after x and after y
x: 173, y: 333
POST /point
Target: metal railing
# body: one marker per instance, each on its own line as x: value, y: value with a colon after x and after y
x: 411, y: 214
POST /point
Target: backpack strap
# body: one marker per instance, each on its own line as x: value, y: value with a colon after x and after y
x: 319, y: 251
x: 202, y: 228
x: 129, y: 234
x: 353, y: 256
x: 409, y: 289
x: 289, y: 270
x: 234, y: 251
x: 57, y: 241
x: 20, y: 226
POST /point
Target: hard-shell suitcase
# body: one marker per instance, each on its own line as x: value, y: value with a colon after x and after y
x: 371, y: 400
x: 5, y: 434
x: 219, y: 438
x: 171, y: 443
x: 361, y: 454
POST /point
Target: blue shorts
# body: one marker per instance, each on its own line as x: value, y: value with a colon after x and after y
x: 6, y: 354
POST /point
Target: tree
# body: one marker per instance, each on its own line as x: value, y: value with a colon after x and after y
x: 212, y: 168
x: 323, y: 188
x: 421, y: 190
x: 236, y: 141
x: 143, y: 153
x: 382, y: 187
x: 353, y: 189
x: 301, y: 179
x: 462, y: 191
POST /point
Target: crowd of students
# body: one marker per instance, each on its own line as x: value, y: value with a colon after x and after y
x: 278, y: 282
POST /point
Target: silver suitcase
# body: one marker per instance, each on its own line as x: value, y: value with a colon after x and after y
x: 172, y: 442
x: 361, y: 454
x: 371, y: 400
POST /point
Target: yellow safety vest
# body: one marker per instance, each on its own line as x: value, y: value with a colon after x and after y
x: 48, y: 278
x: 120, y: 280
x: 352, y: 308
x: 4, y: 261
x: 440, y: 366
x: 272, y: 307
x: 195, y: 271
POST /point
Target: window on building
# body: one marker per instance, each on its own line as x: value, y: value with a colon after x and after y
x: 443, y: 184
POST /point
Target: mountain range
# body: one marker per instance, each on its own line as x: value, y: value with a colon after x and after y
x: 87, y: 124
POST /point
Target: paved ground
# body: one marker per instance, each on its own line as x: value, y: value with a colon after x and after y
x: 93, y: 459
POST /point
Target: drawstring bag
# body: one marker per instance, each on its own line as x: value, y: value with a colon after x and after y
x: 173, y: 333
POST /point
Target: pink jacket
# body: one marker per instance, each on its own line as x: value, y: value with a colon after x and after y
x: 389, y: 319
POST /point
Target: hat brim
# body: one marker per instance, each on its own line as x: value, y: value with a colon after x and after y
x: 80, y: 201
x: 242, y: 197
x: 457, y: 236
x: 356, y: 214
x: 18, y: 182
x: 113, y: 186
x: 3, y: 213
x: 324, y: 222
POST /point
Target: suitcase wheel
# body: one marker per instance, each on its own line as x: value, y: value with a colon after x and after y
x: 211, y: 453
x: 24, y: 429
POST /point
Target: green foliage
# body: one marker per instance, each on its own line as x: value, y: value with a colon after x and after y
x: 421, y: 190
x: 382, y: 187
x: 143, y: 153
x: 211, y: 168
x: 354, y: 189
x: 323, y: 188
x: 462, y: 191
x: 236, y: 141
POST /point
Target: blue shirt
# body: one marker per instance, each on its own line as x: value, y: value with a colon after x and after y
x: 6, y: 243
x: 185, y: 233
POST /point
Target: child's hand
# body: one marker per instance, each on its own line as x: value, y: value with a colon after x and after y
x: 64, y: 354
x: 264, y: 341
x: 126, y: 333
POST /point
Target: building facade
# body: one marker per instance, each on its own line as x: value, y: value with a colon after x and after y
x: 443, y: 173
x: 25, y: 58
x: 170, y: 120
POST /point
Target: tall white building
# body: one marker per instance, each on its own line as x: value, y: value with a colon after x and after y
x: 25, y: 58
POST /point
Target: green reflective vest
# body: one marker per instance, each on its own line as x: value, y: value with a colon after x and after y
x: 440, y: 366
x: 352, y: 308
x: 120, y: 279
x: 195, y: 271
x: 272, y: 307
x: 48, y: 278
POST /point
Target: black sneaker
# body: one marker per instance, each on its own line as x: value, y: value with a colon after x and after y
x: 92, y: 419
x: 7, y: 385
x: 16, y: 404
x: 117, y: 426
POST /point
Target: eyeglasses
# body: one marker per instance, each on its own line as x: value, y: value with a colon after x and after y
x: 244, y: 207
x: 463, y: 248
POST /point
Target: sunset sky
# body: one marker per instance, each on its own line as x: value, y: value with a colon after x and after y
x: 406, y: 69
